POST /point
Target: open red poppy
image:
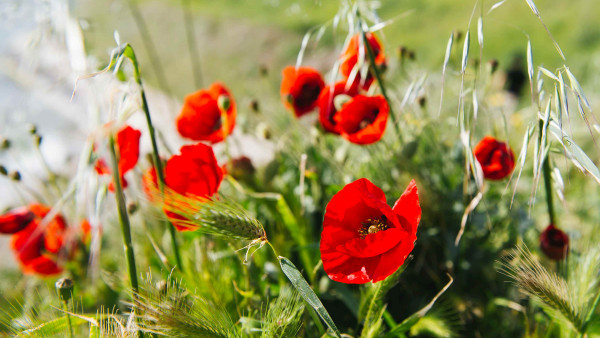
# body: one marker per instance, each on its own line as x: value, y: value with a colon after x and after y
x: 194, y: 172
x: 496, y: 158
x: 326, y: 103
x: 351, y: 55
x: 37, y: 248
x: 363, y: 238
x: 15, y: 220
x: 128, y: 149
x: 363, y: 119
x: 554, y: 243
x: 207, y: 115
x: 300, y: 89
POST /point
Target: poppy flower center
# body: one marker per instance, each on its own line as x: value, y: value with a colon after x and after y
x: 368, y: 119
x: 373, y: 225
x: 308, y: 94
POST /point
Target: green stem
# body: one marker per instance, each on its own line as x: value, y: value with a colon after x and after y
x: 548, y: 181
x: 123, y: 217
x: 128, y: 51
x: 191, y: 40
x: 375, y: 70
x: 66, y: 308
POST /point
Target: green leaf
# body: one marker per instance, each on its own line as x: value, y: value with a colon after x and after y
x: 306, y: 292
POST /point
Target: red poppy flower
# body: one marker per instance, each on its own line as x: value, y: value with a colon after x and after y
x: 194, y: 172
x: 300, y: 89
x: 37, y: 248
x: 326, y: 103
x: 353, y: 52
x: 496, y: 158
x: 363, y: 238
x: 15, y: 220
x: 363, y: 119
x: 207, y: 115
x: 128, y: 149
x: 554, y: 243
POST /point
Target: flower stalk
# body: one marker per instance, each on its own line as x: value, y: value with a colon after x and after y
x: 547, y: 171
x: 375, y: 70
x: 128, y: 51
x: 123, y: 217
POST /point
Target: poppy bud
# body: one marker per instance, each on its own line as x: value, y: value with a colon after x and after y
x: 132, y: 208
x: 64, y: 287
x: 241, y: 168
x: 224, y: 102
x: 422, y: 100
x: 3, y: 170
x: 15, y: 220
x: 254, y: 105
x: 32, y: 129
x: 263, y: 70
x: 4, y: 143
x: 554, y: 243
x: 493, y: 63
x: 263, y: 131
x: 15, y: 176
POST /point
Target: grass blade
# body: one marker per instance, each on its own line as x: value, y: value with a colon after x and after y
x: 306, y: 292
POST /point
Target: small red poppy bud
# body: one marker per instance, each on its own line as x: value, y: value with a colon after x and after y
x: 496, y: 158
x: 64, y: 287
x: 554, y: 243
x: 15, y: 220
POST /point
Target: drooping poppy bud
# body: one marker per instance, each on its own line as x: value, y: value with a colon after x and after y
x: 356, y: 49
x: 15, y: 220
x: 554, y: 243
x: 328, y: 108
x: 496, y: 158
x: 363, y: 119
x: 208, y: 114
x: 300, y: 89
x: 363, y: 238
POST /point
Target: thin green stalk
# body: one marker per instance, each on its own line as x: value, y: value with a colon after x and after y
x: 128, y: 51
x: 191, y: 40
x: 149, y: 45
x: 123, y: 217
x: 66, y: 308
x: 375, y: 70
x: 548, y: 182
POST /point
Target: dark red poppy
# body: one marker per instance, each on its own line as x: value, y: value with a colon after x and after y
x: 352, y: 53
x: 363, y: 119
x: 37, y: 248
x: 496, y: 158
x: 363, y: 238
x: 300, y: 89
x: 128, y: 150
x: 554, y: 243
x: 15, y: 220
x: 207, y: 115
x: 195, y: 172
x: 326, y: 103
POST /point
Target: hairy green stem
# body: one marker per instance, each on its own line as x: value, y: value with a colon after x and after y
x: 155, y: 154
x: 373, y: 68
x: 66, y: 308
x: 590, y: 314
x: 123, y: 217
